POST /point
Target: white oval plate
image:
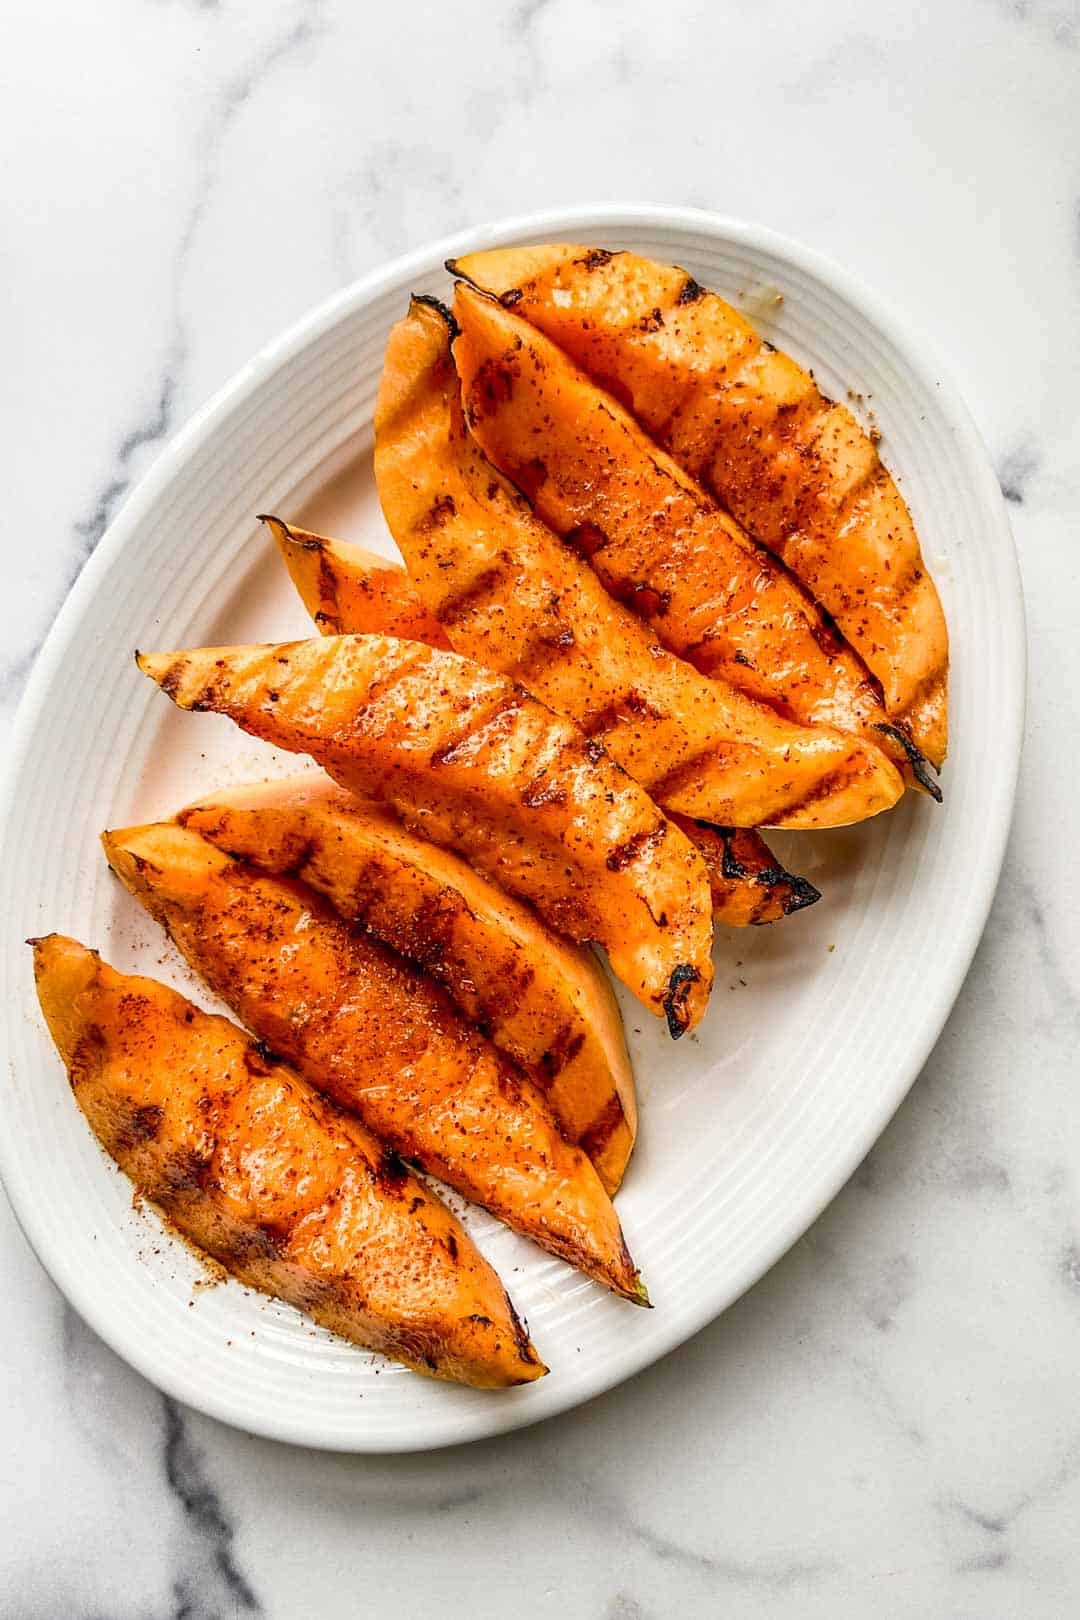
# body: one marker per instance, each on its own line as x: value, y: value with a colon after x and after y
x: 818, y: 1026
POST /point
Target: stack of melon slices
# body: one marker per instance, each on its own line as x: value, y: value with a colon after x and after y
x: 657, y: 594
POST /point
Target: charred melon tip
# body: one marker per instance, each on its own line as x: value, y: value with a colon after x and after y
x: 921, y: 767
x: 455, y: 268
x: 282, y: 531
x: 683, y: 975
x: 431, y: 302
x: 803, y: 894
x: 36, y: 941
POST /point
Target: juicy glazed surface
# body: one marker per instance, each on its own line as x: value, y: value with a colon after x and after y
x: 475, y: 764
x: 543, y: 1001
x: 749, y: 887
x: 792, y: 466
x: 658, y: 542
x: 261, y: 1173
x: 378, y: 1038
x: 512, y: 595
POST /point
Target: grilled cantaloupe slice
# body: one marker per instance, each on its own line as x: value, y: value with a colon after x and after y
x: 378, y: 1038
x: 543, y: 1001
x: 258, y: 1170
x: 510, y: 594
x: 474, y: 763
x: 749, y: 885
x: 792, y: 467
x: 658, y: 542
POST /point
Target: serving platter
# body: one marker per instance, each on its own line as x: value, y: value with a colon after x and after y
x: 818, y: 1026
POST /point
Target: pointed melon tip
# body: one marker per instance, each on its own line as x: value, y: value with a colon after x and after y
x: 285, y: 535
x: 429, y: 301
x: 803, y: 894
x: 921, y: 767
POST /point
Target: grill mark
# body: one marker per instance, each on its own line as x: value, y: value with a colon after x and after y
x: 301, y: 852
x: 779, y: 888
x: 876, y: 474
x: 454, y: 607
x: 828, y: 784
x: 401, y: 666
x: 450, y: 751
x: 604, y: 719
x: 745, y: 852
x: 540, y: 790
x: 632, y: 848
x: 430, y: 930
x: 926, y: 682
x: 596, y: 1137
x: 562, y: 1051
x: 682, y: 775
x: 497, y: 1000
x: 906, y: 583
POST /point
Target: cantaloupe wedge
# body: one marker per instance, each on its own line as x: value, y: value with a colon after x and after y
x: 474, y: 763
x: 543, y: 1001
x: 256, y: 1169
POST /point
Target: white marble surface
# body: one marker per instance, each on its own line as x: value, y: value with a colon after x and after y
x: 889, y: 1424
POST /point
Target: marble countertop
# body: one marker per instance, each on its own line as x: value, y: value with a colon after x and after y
x: 889, y: 1424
